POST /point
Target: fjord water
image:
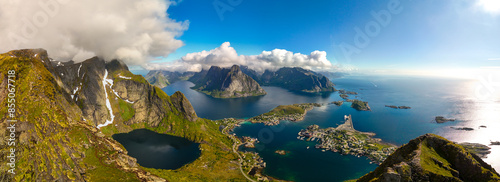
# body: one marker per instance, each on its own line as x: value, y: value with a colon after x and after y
x: 428, y: 97
x: 159, y: 151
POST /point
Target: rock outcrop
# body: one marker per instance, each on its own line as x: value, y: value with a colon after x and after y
x: 432, y: 158
x: 226, y: 83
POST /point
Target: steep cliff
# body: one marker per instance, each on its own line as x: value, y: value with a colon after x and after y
x: 93, y: 83
x: 432, y: 158
x: 297, y: 79
x: 226, y: 83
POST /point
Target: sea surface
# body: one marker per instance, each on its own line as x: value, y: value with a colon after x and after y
x: 429, y: 97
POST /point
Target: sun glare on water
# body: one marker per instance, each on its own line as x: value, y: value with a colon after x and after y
x: 480, y: 110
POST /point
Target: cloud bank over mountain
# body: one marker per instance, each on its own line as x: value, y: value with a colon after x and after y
x: 134, y: 31
x: 226, y: 56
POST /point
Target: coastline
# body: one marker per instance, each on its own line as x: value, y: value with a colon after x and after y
x: 345, y: 140
x: 294, y: 113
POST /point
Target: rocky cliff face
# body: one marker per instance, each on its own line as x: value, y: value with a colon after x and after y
x: 226, y: 83
x: 297, y: 79
x: 432, y: 158
x: 91, y: 90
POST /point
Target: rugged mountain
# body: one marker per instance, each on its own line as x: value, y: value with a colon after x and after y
x: 432, y: 158
x: 226, y: 83
x: 162, y: 79
x: 93, y: 83
x: 297, y: 79
x: 67, y: 112
x: 252, y: 73
x: 197, y: 77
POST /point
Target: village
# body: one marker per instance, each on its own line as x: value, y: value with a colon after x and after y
x: 347, y: 141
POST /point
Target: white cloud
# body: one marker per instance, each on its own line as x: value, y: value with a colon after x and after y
x: 132, y: 30
x: 494, y: 59
x: 226, y: 56
x: 490, y: 6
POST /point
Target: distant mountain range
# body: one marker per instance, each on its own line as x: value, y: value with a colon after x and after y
x: 297, y: 79
x: 213, y: 81
x: 164, y: 78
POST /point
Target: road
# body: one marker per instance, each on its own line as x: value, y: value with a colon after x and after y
x: 236, y: 142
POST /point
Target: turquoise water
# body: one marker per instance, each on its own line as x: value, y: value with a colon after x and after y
x: 428, y: 97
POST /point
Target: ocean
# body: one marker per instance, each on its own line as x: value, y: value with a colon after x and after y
x: 428, y: 97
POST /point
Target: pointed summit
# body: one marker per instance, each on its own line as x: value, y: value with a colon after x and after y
x: 226, y: 83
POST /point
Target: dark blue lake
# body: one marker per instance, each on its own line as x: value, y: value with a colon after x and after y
x: 159, y: 151
x: 428, y: 97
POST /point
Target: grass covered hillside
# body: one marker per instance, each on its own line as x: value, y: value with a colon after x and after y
x: 432, y: 158
x: 57, y: 139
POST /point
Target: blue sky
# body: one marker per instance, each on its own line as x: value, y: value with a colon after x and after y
x: 422, y: 35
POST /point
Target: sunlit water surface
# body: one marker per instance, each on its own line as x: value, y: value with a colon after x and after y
x: 428, y: 97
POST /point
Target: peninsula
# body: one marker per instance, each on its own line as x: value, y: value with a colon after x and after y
x: 295, y: 112
x: 346, y: 140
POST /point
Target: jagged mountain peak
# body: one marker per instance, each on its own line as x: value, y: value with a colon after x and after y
x: 115, y: 65
x: 226, y: 83
x: 235, y: 68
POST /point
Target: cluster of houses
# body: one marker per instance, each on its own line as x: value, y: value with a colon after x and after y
x: 347, y: 141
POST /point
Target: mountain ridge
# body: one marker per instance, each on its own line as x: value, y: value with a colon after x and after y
x: 291, y: 78
x: 432, y: 158
x: 226, y: 83
x: 58, y: 140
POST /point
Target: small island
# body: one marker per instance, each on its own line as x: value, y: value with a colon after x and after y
x: 441, y: 119
x: 346, y: 140
x: 281, y: 152
x: 360, y: 105
x: 463, y: 128
x: 398, y: 107
x: 295, y: 112
x: 338, y: 103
